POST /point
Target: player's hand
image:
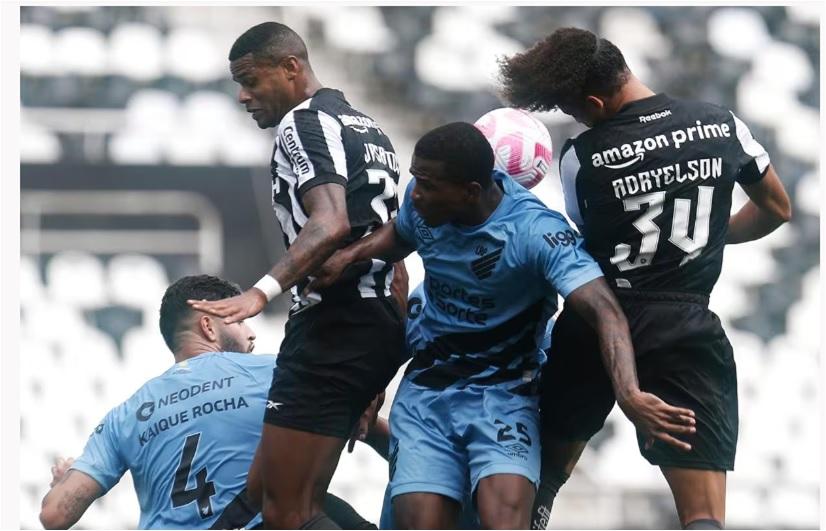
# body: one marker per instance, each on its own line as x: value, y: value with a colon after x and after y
x: 366, y: 422
x: 329, y: 271
x: 657, y: 420
x: 59, y: 469
x: 234, y: 309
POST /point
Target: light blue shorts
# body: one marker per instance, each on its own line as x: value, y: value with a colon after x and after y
x: 444, y: 441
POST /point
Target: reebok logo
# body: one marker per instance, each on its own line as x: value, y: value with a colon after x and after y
x: 483, y: 267
x: 274, y: 405
x: 655, y: 116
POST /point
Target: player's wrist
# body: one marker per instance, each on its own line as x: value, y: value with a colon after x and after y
x: 270, y: 287
x: 628, y: 396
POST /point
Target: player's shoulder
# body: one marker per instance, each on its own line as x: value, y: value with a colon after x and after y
x: 532, y: 214
x: 693, y: 110
x: 246, y: 359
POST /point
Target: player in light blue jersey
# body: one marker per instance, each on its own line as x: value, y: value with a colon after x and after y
x: 189, y: 435
x: 465, y: 418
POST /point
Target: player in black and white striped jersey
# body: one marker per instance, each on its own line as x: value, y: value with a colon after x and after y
x: 334, y: 181
x: 325, y: 140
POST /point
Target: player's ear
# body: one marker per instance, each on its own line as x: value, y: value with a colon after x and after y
x: 291, y: 65
x: 206, y: 325
x: 595, y: 103
x: 473, y: 190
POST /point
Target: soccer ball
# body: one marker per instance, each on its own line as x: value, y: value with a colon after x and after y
x: 521, y: 144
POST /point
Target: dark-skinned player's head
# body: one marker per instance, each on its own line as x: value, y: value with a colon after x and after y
x: 270, y: 63
x: 185, y: 329
x: 572, y: 69
x: 452, y: 165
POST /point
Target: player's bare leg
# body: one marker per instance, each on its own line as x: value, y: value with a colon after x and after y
x: 504, y: 501
x: 296, y: 470
x: 558, y: 461
x: 700, y: 496
x: 254, y: 481
x: 425, y: 510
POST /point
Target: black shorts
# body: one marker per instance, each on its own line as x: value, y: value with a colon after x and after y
x: 683, y: 356
x: 335, y: 358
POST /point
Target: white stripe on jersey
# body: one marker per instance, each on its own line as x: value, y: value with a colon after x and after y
x: 568, y: 170
x: 367, y: 283
x: 750, y: 145
x: 297, y: 212
x: 332, y: 136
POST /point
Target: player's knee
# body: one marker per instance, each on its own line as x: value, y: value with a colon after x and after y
x: 704, y: 523
x: 506, y: 516
x: 508, y: 511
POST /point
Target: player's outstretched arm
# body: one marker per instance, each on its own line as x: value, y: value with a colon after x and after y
x: 384, y: 244
x: 652, y: 417
x: 324, y: 232
x: 71, y: 494
x: 379, y: 437
x: 768, y: 208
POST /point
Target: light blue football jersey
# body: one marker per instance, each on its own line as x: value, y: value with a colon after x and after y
x: 188, y: 436
x: 417, y: 300
x: 490, y: 290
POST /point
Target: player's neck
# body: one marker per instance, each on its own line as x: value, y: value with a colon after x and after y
x: 311, y: 86
x: 194, y: 348
x: 488, y: 202
x: 632, y: 90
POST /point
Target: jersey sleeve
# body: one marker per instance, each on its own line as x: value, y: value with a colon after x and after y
x: 568, y: 172
x: 558, y: 254
x: 753, y: 160
x: 101, y: 459
x: 405, y: 221
x: 313, y: 143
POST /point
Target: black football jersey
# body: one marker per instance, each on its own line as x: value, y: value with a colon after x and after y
x: 650, y: 189
x: 325, y: 140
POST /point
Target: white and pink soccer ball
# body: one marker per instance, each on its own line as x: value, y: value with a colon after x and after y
x: 521, y: 144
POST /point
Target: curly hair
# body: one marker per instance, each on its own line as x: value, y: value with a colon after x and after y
x: 565, y: 67
x: 174, y: 308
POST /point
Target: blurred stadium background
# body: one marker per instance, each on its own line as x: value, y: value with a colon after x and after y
x: 138, y: 167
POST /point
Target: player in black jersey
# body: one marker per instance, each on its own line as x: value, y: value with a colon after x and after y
x: 649, y: 185
x: 334, y: 181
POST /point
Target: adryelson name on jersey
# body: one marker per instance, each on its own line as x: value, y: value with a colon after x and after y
x: 679, y: 172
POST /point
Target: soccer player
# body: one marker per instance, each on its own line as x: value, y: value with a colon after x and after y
x: 465, y: 419
x: 334, y: 180
x: 649, y: 185
x: 188, y: 435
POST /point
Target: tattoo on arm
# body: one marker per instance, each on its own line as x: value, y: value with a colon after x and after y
x: 323, y: 233
x: 71, y: 496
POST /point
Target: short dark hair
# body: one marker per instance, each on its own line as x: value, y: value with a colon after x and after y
x: 565, y: 67
x: 464, y: 150
x: 269, y: 41
x: 174, y: 308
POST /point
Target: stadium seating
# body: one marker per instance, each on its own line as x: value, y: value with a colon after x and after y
x: 88, y: 324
